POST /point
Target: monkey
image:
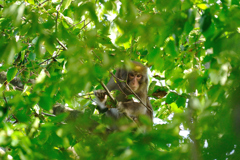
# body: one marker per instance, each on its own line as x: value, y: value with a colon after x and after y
x: 127, y: 80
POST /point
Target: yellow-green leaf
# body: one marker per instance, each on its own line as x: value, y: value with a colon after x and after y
x: 202, y: 6
x: 30, y: 1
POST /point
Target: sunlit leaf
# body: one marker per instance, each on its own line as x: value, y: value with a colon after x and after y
x: 30, y: 1
x: 202, y: 6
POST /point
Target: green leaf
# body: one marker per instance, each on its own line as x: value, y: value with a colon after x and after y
x: 181, y: 102
x: 11, y: 73
x: 171, y: 97
x: 171, y: 47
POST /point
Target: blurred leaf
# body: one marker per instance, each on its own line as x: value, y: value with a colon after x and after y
x: 45, y: 102
x: 11, y: 73
x: 205, y: 21
x: 65, y: 4
x: 171, y: 48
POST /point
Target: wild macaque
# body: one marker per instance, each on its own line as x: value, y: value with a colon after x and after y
x: 128, y: 80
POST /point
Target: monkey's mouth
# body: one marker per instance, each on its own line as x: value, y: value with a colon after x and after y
x: 134, y: 88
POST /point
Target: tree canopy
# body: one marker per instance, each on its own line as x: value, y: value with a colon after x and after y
x: 57, y: 53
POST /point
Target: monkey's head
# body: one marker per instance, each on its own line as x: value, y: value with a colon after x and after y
x: 137, y: 76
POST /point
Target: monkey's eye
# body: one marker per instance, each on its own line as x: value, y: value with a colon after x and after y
x: 131, y: 75
x: 139, y: 76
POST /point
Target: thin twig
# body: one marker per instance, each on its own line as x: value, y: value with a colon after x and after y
x: 48, y: 114
x: 97, y: 56
x: 85, y: 25
x: 49, y: 59
x: 62, y: 45
x: 77, y: 23
x: 43, y: 3
x: 118, y: 84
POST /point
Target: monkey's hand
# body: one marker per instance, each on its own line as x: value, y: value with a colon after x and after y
x: 101, y: 95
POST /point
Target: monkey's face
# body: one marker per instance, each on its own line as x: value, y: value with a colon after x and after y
x: 133, y: 80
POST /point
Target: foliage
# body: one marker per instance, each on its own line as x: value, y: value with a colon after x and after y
x: 57, y: 52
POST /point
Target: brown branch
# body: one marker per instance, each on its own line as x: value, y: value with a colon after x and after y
x: 49, y: 59
x: 85, y: 25
x: 62, y: 45
x: 43, y: 3
x: 78, y: 23
x: 108, y: 92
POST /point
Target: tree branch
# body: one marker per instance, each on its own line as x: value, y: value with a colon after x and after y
x: 85, y: 25
x: 108, y: 92
x: 43, y: 3
x: 62, y: 45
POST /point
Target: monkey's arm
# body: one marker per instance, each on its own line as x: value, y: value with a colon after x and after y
x: 149, y: 113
